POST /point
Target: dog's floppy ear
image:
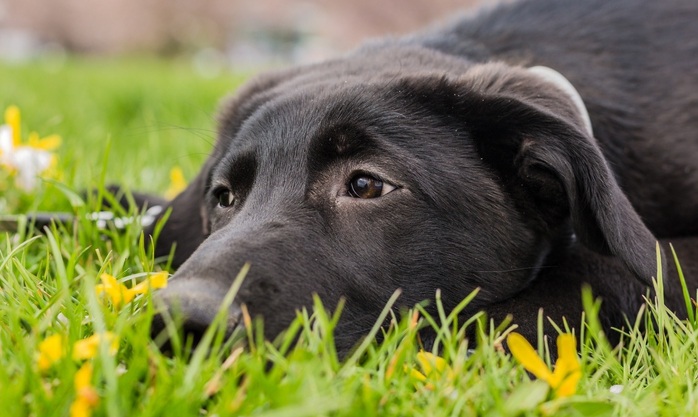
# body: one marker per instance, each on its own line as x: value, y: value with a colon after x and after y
x: 530, y: 131
x: 564, y: 85
x: 601, y: 215
x: 188, y: 225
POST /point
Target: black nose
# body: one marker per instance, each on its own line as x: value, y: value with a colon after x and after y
x: 194, y: 305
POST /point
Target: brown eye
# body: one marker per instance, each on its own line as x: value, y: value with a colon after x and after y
x: 225, y: 198
x: 366, y: 186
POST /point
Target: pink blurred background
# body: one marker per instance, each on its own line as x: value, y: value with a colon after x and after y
x: 243, y: 32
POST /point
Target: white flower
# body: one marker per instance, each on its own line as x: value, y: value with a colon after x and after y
x: 5, y: 141
x: 25, y: 161
x: 616, y: 389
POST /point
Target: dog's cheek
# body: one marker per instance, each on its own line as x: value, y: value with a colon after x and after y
x: 468, y: 234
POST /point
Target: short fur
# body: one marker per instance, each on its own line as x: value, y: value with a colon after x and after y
x: 499, y: 185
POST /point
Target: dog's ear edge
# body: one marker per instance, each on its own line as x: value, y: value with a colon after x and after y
x: 601, y: 214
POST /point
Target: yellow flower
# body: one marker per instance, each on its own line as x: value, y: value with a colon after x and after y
x: 433, y: 368
x: 86, y: 397
x: 26, y: 161
x: 177, y: 183
x: 119, y: 294
x: 567, y: 373
x: 49, y: 143
x: 13, y: 120
x: 155, y: 281
x: 51, y: 350
x: 88, y: 348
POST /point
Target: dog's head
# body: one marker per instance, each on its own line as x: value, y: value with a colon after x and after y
x: 395, y: 169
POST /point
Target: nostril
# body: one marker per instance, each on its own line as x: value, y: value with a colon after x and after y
x: 268, y: 288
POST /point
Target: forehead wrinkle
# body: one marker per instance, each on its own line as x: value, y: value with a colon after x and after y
x: 345, y: 133
x: 236, y: 168
x: 279, y: 132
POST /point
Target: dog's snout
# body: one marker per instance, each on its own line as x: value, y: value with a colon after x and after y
x: 193, y: 306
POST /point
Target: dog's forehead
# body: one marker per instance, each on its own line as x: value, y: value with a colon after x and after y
x: 347, y: 86
x: 333, y: 107
x: 291, y: 124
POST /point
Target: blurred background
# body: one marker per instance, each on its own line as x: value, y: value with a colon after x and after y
x: 132, y: 87
x: 245, y: 33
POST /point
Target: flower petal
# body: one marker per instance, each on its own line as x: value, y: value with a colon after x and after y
x: 568, y: 386
x: 86, y: 396
x: 80, y: 408
x: 51, y: 350
x: 48, y: 143
x: 415, y: 374
x: 89, y: 347
x: 567, y: 351
x: 83, y: 377
x: 117, y: 292
x: 177, y: 183
x: 159, y: 280
x: 567, y: 371
x: 524, y: 353
x: 155, y: 281
x: 29, y: 163
x: 6, y: 145
x: 431, y: 363
x: 14, y: 120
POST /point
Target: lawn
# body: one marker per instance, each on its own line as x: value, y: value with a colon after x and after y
x: 72, y: 345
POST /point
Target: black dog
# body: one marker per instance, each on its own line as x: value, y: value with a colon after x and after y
x: 452, y: 160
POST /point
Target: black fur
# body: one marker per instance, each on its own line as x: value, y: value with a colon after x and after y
x: 499, y: 186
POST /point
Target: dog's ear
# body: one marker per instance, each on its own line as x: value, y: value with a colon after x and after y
x: 558, y: 80
x: 188, y: 224
x: 530, y: 130
x: 556, y: 157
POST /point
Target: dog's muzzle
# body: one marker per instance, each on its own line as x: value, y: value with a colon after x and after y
x: 193, y: 308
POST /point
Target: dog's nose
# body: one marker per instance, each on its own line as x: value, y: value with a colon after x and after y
x: 193, y: 305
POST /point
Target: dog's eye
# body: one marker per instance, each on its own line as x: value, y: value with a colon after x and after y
x: 225, y: 198
x: 366, y: 186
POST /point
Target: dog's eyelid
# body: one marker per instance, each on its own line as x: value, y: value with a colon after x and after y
x: 216, y: 189
x: 377, y: 174
x: 364, y: 185
x: 222, y: 195
x: 369, y: 172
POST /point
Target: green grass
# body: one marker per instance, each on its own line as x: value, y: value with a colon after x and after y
x: 145, y: 115
x: 130, y: 122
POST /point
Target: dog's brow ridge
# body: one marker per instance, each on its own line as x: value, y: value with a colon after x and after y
x: 339, y: 142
